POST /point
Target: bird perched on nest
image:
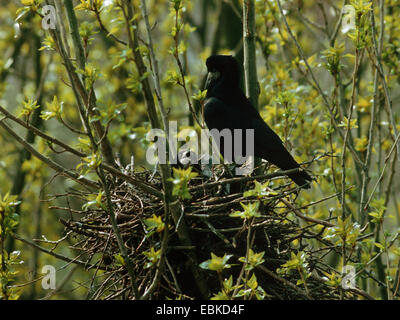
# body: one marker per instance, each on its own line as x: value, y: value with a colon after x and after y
x: 227, y: 107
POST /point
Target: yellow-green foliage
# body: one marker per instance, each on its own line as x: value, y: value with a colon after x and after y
x: 344, y: 67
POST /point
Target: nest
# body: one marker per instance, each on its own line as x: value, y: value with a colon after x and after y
x: 211, y: 229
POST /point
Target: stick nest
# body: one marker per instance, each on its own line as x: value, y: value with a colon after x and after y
x: 278, y: 232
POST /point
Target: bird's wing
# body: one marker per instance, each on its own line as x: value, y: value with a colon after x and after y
x: 217, y: 114
x: 268, y: 145
x: 264, y: 137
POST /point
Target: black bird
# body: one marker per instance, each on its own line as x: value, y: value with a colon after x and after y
x: 227, y: 107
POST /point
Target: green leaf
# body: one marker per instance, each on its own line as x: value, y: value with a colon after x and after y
x: 28, y: 107
x: 200, y: 95
x: 254, y: 259
x: 119, y: 259
x: 153, y: 256
x: 181, y: 181
x: 250, y: 211
x: 155, y: 223
x: 216, y: 263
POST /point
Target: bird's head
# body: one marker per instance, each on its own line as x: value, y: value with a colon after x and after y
x: 222, y: 67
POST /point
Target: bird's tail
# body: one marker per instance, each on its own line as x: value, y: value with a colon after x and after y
x: 285, y: 161
x: 301, y: 178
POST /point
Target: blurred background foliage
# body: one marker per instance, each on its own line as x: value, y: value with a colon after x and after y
x: 289, y: 101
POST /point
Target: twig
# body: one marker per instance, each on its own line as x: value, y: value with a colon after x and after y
x: 154, y: 62
x: 382, y: 173
x: 318, y: 87
x: 68, y: 148
x: 55, y: 166
x: 244, y: 179
x: 284, y: 281
x: 103, y: 27
x: 56, y: 255
x: 377, y: 50
x: 348, y: 128
x: 300, y: 215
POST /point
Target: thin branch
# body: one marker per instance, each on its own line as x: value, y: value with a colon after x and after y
x: 377, y: 49
x: 55, y: 166
x: 111, y: 169
x: 54, y: 254
x: 382, y: 173
x: 318, y: 87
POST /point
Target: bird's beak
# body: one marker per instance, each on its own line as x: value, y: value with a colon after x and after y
x: 212, y: 77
